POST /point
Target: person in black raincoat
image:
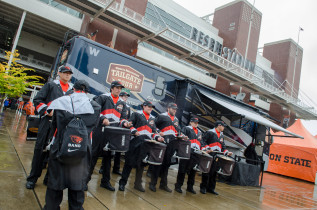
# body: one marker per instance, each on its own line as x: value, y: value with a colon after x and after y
x: 143, y: 128
x: 187, y: 166
x: 49, y: 92
x: 251, y: 154
x: 71, y: 176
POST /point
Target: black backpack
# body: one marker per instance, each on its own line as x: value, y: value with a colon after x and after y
x: 73, y: 145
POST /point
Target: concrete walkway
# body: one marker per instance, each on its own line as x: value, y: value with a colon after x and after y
x: 15, y: 160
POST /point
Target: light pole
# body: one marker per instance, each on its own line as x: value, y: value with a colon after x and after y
x: 16, y: 39
x: 299, y: 30
x: 248, y: 39
x: 249, y: 32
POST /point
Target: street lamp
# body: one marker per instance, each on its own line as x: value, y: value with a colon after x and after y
x: 299, y: 30
x: 248, y: 38
x: 249, y: 32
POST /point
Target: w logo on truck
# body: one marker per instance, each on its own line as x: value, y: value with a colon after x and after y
x: 93, y: 51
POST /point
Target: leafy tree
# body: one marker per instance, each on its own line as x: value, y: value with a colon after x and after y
x: 15, y: 80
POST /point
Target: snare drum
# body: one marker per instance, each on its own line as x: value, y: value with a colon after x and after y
x: 118, y: 138
x: 156, y: 152
x: 205, y: 162
x: 182, y: 149
x: 33, y: 123
x: 226, y: 165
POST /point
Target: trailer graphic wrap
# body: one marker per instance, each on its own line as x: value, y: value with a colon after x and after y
x: 130, y: 78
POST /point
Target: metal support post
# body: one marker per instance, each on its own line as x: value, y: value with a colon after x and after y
x: 16, y: 39
x: 249, y: 32
x: 299, y: 30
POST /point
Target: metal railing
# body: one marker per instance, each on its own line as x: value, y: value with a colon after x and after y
x: 63, y: 8
x: 31, y: 62
x: 207, y: 54
x: 170, y: 56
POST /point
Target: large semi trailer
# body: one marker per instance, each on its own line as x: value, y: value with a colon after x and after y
x: 99, y: 65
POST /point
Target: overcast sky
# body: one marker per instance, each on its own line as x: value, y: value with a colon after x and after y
x: 281, y: 20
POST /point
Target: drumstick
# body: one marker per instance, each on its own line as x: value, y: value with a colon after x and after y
x: 103, y: 127
x: 154, y: 139
x: 204, y: 152
x: 113, y: 122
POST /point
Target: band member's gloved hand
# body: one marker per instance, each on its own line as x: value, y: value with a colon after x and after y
x: 161, y: 134
x: 105, y: 122
x: 51, y: 113
x: 137, y: 133
x: 183, y: 136
x: 127, y: 124
x: 160, y: 139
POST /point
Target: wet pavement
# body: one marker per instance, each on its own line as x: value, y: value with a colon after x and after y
x: 16, y: 153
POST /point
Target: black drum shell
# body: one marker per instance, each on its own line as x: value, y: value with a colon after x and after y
x: 33, y: 123
x: 118, y: 138
x: 205, y: 162
x: 183, y: 149
x: 156, y: 153
x: 225, y: 164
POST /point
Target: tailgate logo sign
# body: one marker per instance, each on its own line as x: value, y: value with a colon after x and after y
x: 130, y: 78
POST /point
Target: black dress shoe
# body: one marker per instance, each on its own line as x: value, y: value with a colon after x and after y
x: 190, y: 189
x: 152, y: 188
x: 203, y: 190
x: 107, y: 186
x: 139, y: 187
x: 117, y: 172
x: 213, y: 192
x: 165, y: 188
x: 178, y: 189
x: 30, y: 185
x: 121, y: 187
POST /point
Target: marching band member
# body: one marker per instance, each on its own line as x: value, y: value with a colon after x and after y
x: 113, y: 109
x: 195, y: 137
x: 49, y: 92
x: 143, y: 128
x: 117, y: 157
x: 214, y: 140
x: 168, y: 125
x: 71, y: 175
x: 116, y: 162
